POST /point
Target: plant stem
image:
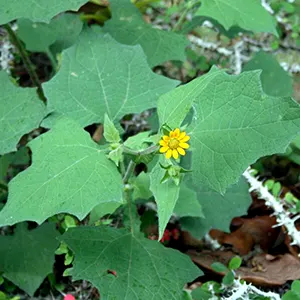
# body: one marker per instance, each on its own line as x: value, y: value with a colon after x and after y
x: 148, y: 150
x: 129, y: 171
x: 24, y: 55
x: 182, y: 17
x: 127, y: 193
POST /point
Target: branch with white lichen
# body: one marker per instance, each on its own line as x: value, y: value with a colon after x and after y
x: 281, y: 214
x: 242, y: 291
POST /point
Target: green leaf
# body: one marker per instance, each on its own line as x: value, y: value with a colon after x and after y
x: 219, y: 267
x: 101, y: 210
x: 101, y: 77
x: 37, y: 36
x: 200, y: 294
x: 116, y: 155
x: 111, y: 133
x: 174, y: 106
x: 144, y: 268
x: 218, y: 210
x: 165, y: 194
x: 59, y: 34
x: 43, y: 11
x: 228, y: 278
x: 141, y: 186
x: 235, y: 263
x: 27, y: 257
x: 187, y: 204
x: 21, y: 112
x: 234, y: 124
x: 139, y: 141
x: 250, y: 15
x: 128, y: 27
x: 275, y: 81
x: 69, y: 174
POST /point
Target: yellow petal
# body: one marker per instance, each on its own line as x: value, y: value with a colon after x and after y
x: 181, y: 151
x: 163, y: 149
x: 166, y: 138
x: 169, y: 154
x: 176, y: 132
x: 182, y: 135
x: 163, y: 143
x: 175, y: 154
x: 184, y: 145
x: 185, y: 139
x: 171, y: 134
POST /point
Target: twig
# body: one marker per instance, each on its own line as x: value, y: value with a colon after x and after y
x: 27, y: 62
x: 282, y: 216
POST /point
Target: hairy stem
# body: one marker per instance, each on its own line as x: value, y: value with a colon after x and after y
x: 148, y: 150
x: 127, y: 193
x: 24, y: 55
x: 129, y: 171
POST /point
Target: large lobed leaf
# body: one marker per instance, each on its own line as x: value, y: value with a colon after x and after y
x: 234, y: 124
x: 128, y: 27
x: 21, y: 112
x: 69, y: 174
x: 274, y: 79
x: 98, y: 75
x: 27, y: 257
x: 144, y: 269
x: 218, y: 210
x: 249, y: 15
x: 38, y: 11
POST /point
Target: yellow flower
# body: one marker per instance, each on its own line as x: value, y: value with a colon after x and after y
x: 174, y: 144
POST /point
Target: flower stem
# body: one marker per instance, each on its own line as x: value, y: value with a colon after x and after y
x: 24, y: 55
x: 148, y: 150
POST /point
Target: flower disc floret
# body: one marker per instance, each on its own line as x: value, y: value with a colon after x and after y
x: 174, y: 144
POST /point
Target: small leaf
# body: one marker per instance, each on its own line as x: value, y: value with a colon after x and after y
x: 116, y: 155
x: 228, y: 279
x: 235, y: 263
x: 142, y: 269
x: 69, y: 174
x: 165, y: 194
x: 21, y: 112
x: 219, y: 267
x: 127, y: 26
x: 27, y: 257
x: 111, y: 133
x: 41, y: 12
x: 59, y: 34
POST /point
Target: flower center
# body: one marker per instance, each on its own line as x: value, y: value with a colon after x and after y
x: 173, y: 143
